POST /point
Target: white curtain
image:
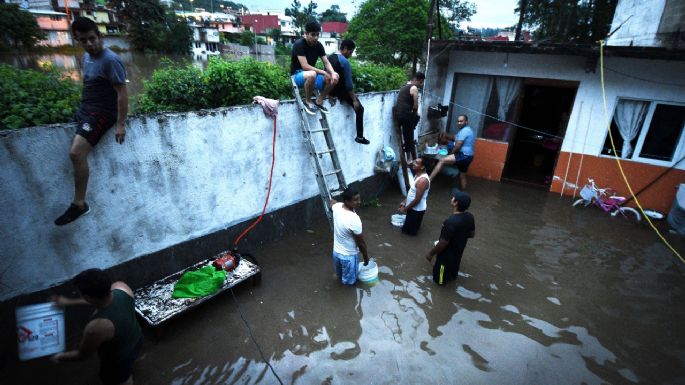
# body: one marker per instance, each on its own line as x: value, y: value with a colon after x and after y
x: 629, y: 116
x: 507, y: 90
x: 473, y: 94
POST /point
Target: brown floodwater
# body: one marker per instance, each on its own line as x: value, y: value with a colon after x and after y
x: 547, y: 294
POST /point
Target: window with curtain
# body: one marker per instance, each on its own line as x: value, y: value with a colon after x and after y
x: 647, y: 130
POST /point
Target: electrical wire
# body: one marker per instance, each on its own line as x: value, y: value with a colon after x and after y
x: 254, y: 340
x: 643, y: 79
x: 618, y: 160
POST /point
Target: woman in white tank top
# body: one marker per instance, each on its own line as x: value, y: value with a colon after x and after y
x: 415, y: 204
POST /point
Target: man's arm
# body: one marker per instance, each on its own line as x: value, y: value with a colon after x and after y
x: 306, y: 67
x: 457, y: 146
x: 97, y: 331
x: 122, y: 111
x: 437, y: 249
x: 329, y: 68
x: 361, y: 244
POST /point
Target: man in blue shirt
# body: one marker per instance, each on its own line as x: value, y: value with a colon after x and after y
x: 462, y: 153
x: 344, y: 90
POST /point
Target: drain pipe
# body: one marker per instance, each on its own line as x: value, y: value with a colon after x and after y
x: 570, y: 153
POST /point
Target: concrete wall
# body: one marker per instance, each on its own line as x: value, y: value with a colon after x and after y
x: 179, y: 176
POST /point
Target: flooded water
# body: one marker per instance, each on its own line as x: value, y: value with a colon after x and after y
x: 547, y: 294
x: 139, y: 66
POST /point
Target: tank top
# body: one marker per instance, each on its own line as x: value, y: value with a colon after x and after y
x: 421, y: 206
x: 405, y: 101
x: 127, y: 332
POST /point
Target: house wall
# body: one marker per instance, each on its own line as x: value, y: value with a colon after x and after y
x: 178, y: 176
x: 587, y: 127
x: 640, y: 19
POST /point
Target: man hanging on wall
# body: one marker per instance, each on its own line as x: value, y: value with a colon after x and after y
x: 406, y: 112
x: 461, y: 152
x: 113, y: 331
x: 306, y: 52
x: 344, y: 90
x: 348, y: 240
x: 104, y: 103
x: 456, y: 230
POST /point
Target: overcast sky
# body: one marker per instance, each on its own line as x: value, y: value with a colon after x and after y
x: 491, y: 13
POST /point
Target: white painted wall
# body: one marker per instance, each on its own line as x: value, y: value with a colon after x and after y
x: 587, y: 127
x: 178, y: 176
x: 640, y: 20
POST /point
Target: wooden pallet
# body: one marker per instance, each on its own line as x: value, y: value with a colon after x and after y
x: 155, y: 305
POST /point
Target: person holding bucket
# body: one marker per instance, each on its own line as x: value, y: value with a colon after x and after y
x: 348, y: 240
x: 456, y: 230
x: 112, y: 330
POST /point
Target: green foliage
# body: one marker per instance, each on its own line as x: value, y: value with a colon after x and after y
x: 393, y: 32
x: 30, y: 98
x: 562, y: 21
x: 223, y: 83
x: 247, y: 38
x: 333, y: 14
x: 18, y: 29
x: 173, y: 88
x: 371, y: 77
x: 151, y: 29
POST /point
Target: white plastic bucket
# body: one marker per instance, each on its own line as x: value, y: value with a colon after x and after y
x: 397, y: 220
x: 40, y: 330
x: 368, y: 273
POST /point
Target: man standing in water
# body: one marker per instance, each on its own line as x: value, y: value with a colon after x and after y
x: 104, y: 103
x: 348, y: 240
x: 456, y: 230
x: 112, y: 331
x: 306, y: 52
x: 415, y: 204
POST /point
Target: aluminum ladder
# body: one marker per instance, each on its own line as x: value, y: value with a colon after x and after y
x: 318, y: 155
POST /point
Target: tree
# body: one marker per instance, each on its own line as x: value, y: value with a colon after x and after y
x: 394, y: 31
x: 18, y: 29
x: 577, y: 21
x: 301, y: 15
x: 333, y: 14
x: 150, y: 28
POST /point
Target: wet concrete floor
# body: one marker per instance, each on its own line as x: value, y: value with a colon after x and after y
x: 547, y: 294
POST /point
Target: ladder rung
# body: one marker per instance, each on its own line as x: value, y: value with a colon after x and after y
x: 332, y: 172
x: 336, y: 192
x: 326, y: 152
x: 321, y: 130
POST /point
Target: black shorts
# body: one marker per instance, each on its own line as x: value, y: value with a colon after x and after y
x: 412, y: 222
x: 93, y: 125
x: 116, y: 371
x: 463, y: 162
x: 342, y: 95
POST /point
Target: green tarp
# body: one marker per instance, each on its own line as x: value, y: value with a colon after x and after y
x: 199, y: 283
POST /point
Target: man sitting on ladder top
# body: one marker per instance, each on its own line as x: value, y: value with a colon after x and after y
x: 306, y: 51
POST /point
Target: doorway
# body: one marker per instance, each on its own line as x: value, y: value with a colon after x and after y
x: 533, y: 151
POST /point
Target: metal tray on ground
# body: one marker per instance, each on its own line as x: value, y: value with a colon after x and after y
x: 155, y: 305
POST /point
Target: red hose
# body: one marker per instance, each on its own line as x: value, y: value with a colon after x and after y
x: 266, y: 202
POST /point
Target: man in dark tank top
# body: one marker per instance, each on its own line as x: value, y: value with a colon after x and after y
x: 406, y: 112
x: 112, y: 331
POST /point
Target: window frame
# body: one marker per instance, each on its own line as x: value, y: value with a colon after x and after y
x: 679, y: 150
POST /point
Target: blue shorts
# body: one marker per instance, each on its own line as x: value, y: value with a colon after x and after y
x: 299, y: 80
x: 345, y: 266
